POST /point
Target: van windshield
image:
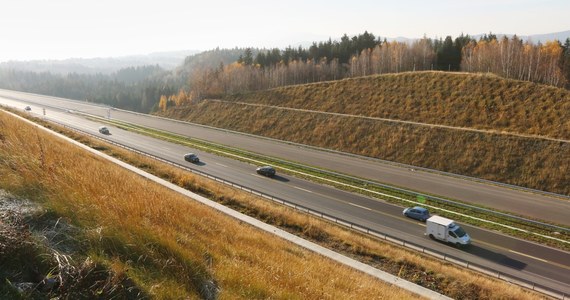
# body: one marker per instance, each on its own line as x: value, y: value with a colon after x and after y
x: 459, y: 231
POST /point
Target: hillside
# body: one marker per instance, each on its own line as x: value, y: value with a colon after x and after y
x: 454, y: 99
x: 461, y: 101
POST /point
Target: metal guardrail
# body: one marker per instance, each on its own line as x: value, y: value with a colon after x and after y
x: 403, y: 165
x: 413, y: 193
x: 430, y: 197
x: 392, y: 239
x: 401, y: 190
x: 443, y: 200
x: 486, y: 181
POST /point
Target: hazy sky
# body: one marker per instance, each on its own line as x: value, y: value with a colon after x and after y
x: 57, y: 29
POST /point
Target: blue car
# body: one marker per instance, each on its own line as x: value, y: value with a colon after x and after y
x: 417, y: 212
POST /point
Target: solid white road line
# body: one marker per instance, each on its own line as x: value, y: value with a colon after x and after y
x: 529, y: 256
x: 302, y: 189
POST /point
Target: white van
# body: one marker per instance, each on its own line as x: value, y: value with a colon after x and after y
x: 446, y: 230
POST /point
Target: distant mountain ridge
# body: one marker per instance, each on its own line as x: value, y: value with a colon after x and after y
x: 172, y: 60
x: 104, y: 65
x: 535, y: 38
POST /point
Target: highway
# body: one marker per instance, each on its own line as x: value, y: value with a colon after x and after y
x: 533, y: 205
x: 529, y: 261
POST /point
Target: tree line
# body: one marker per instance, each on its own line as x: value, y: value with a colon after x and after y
x: 134, y: 88
x: 221, y: 71
x: 367, y: 55
x: 513, y: 58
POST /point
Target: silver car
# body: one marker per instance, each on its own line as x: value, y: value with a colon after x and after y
x: 417, y: 212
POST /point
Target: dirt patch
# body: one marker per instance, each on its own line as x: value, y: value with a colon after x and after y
x: 13, y: 233
x: 41, y: 258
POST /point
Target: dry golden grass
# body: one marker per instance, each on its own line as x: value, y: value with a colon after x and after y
x: 235, y: 256
x: 535, y: 163
x: 170, y: 247
x: 456, y: 99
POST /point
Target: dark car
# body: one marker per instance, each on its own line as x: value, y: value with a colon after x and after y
x: 417, y: 212
x: 191, y: 157
x: 104, y: 130
x: 266, y: 171
x: 27, y: 108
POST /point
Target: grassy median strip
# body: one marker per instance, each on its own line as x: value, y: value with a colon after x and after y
x: 452, y: 208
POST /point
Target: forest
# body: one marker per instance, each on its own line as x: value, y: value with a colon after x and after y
x: 226, y: 71
x: 133, y: 88
x: 512, y: 58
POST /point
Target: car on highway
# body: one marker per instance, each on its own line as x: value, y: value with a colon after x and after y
x: 268, y: 171
x: 417, y: 212
x: 104, y: 130
x: 27, y: 108
x: 191, y: 157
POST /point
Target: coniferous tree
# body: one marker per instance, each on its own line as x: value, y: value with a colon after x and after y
x: 488, y: 37
x: 446, y: 56
x: 261, y: 59
x: 248, y: 57
x: 344, y: 49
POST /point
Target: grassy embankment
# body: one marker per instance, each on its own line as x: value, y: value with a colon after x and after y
x: 167, y: 246
x: 526, y: 122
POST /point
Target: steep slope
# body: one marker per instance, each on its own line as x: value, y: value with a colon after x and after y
x: 502, y: 130
x: 455, y: 99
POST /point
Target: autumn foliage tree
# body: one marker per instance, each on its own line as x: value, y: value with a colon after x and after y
x: 365, y: 55
x: 513, y: 58
x: 272, y: 68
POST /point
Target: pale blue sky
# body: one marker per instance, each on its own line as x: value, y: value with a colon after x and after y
x: 57, y: 29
